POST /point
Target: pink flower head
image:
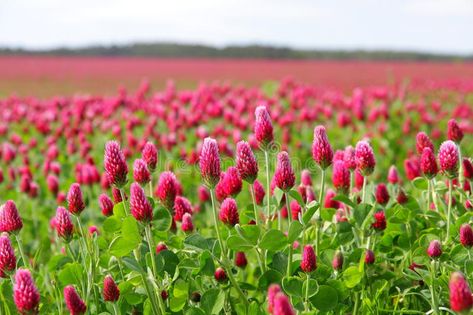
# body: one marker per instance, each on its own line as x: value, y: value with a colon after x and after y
x: 115, y: 164
x: 53, y: 184
x: 329, y: 202
x: 467, y: 169
x: 167, y: 189
x: 382, y: 194
x: 187, y: 225
x: 7, y: 256
x: 106, y: 205
x: 393, y: 175
x: 309, y: 260
x: 412, y: 168
x: 150, y: 155
x: 25, y: 293
x: 423, y: 141
x: 259, y: 192
x: 435, y: 249
x: 181, y: 206
x: 263, y: 127
x: 379, y: 221
x: 139, y: 205
x: 369, y: 257
x: 111, y: 292
x: 10, y: 220
x: 460, y: 294
x: 306, y: 178
x: 337, y: 262
x: 448, y: 158
x: 341, y: 177
x: 466, y: 235
x: 454, y: 132
x: 220, y: 275
x: 272, y: 291
x: 204, y: 194
x: 160, y: 247
x: 349, y: 158
x: 364, y: 156
x: 322, y: 152
x: 229, y: 212
x: 209, y: 162
x: 281, y: 305
x: 295, y: 209
x: 240, y: 260
x: 75, y: 200
x: 74, y: 303
x: 63, y: 224
x: 141, y: 173
x: 284, y: 175
x: 246, y: 162
x: 428, y: 163
x: 232, y: 182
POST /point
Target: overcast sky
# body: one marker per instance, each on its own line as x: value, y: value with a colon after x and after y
x: 444, y: 26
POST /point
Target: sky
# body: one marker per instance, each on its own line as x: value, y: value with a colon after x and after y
x: 439, y: 26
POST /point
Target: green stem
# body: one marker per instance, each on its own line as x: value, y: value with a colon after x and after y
x: 214, y: 212
x: 223, y: 254
x: 151, y: 188
x: 355, y: 309
x: 150, y: 295
x: 432, y: 288
x: 434, y: 196
x: 115, y: 308
x: 20, y: 249
x: 363, y: 196
x: 252, y: 192
x: 321, y: 206
x: 122, y: 194
x: 268, y: 189
x: 429, y: 188
x: 149, y: 239
x: 449, y: 209
x: 289, y: 261
x: 307, y: 293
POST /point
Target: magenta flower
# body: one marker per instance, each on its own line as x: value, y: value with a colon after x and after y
x: 232, y: 182
x: 75, y: 200
x: 263, y: 127
x: 74, y: 303
x: 209, y: 163
x: 281, y: 305
x: 111, y: 292
x: 259, y: 192
x: 460, y: 294
x: 284, y: 175
x: 115, y: 164
x: 428, y: 163
x: 423, y: 141
x: 187, y: 225
x: 322, y: 152
x: 309, y: 260
x: 141, y: 173
x: 240, y: 260
x: 220, y: 275
x: 369, y: 257
x: 382, y: 194
x: 306, y: 178
x: 364, y: 156
x: 10, y: 220
x: 341, y: 177
x: 150, y: 155
x: 167, y: 189
x: 181, y: 206
x: 160, y: 247
x: 7, y: 256
x: 379, y: 221
x: 467, y: 169
x: 448, y: 158
x: 246, y: 162
x: 393, y: 175
x: 349, y: 158
x: 454, y: 132
x: 63, y: 224
x: 435, y: 249
x: 106, y: 205
x: 140, y: 207
x: 25, y: 293
x: 229, y: 212
x: 466, y: 235
x: 337, y: 262
x: 272, y: 291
